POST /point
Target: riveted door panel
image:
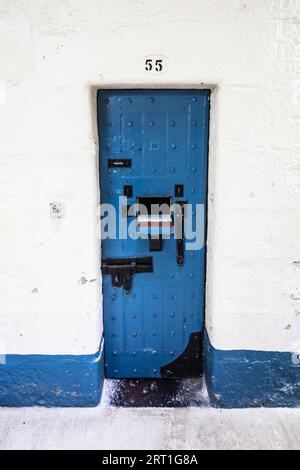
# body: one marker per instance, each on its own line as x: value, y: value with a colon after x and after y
x: 154, y: 142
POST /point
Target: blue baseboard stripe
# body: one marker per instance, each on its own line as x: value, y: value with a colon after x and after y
x: 246, y: 379
x: 46, y: 380
x: 235, y: 379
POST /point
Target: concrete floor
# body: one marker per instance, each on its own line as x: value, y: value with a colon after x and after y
x: 108, y: 428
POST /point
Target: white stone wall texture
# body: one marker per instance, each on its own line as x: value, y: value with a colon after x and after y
x: 53, y: 56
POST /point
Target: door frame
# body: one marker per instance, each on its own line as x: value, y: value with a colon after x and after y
x: 211, y: 163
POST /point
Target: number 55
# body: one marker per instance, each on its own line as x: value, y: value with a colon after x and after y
x: 153, y: 66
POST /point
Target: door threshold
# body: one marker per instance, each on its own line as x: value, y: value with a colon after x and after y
x: 162, y: 393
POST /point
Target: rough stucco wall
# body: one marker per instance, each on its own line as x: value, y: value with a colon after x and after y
x: 51, y: 54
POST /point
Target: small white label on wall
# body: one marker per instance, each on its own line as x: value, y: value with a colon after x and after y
x: 56, y: 210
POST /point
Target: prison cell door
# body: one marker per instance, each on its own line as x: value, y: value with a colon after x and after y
x: 153, y: 149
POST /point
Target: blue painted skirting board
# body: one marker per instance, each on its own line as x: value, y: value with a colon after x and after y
x: 235, y: 379
x: 65, y: 381
x: 247, y: 379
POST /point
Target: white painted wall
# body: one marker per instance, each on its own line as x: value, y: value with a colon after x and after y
x: 52, y: 57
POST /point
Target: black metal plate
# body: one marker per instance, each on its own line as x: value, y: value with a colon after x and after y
x: 119, y: 163
x: 189, y: 364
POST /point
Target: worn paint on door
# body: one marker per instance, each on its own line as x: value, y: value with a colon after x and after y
x: 153, y: 147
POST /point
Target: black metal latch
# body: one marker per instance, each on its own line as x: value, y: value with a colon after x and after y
x: 179, y: 230
x: 123, y: 269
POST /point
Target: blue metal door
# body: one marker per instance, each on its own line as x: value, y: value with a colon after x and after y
x: 153, y: 148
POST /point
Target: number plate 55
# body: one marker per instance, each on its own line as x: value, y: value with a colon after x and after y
x: 155, y: 64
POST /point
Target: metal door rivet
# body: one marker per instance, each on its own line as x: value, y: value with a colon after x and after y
x: 130, y: 100
x: 172, y: 276
x: 154, y: 371
x: 153, y: 170
x: 194, y: 147
x: 154, y: 296
x: 109, y: 171
x: 152, y: 123
x: 195, y: 123
x: 154, y: 333
x: 192, y: 276
x: 134, y: 316
x: 192, y: 190
x: 172, y: 315
x: 130, y: 124
x: 194, y: 169
x: 113, y: 297
x: 154, y: 353
x: 173, y: 170
x: 113, y: 317
x: 154, y: 315
x: 172, y: 353
x: 172, y: 123
x: 133, y: 296
x: 135, y: 371
x: 115, y: 372
x: 172, y: 296
x: 194, y: 100
x: 172, y: 333
x: 115, y: 353
x: 134, y: 354
x: 173, y: 146
x: 134, y: 334
x: 114, y: 335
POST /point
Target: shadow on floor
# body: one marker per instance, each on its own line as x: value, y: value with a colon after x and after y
x: 147, y: 393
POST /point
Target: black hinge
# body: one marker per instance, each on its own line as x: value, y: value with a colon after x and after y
x: 122, y: 270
